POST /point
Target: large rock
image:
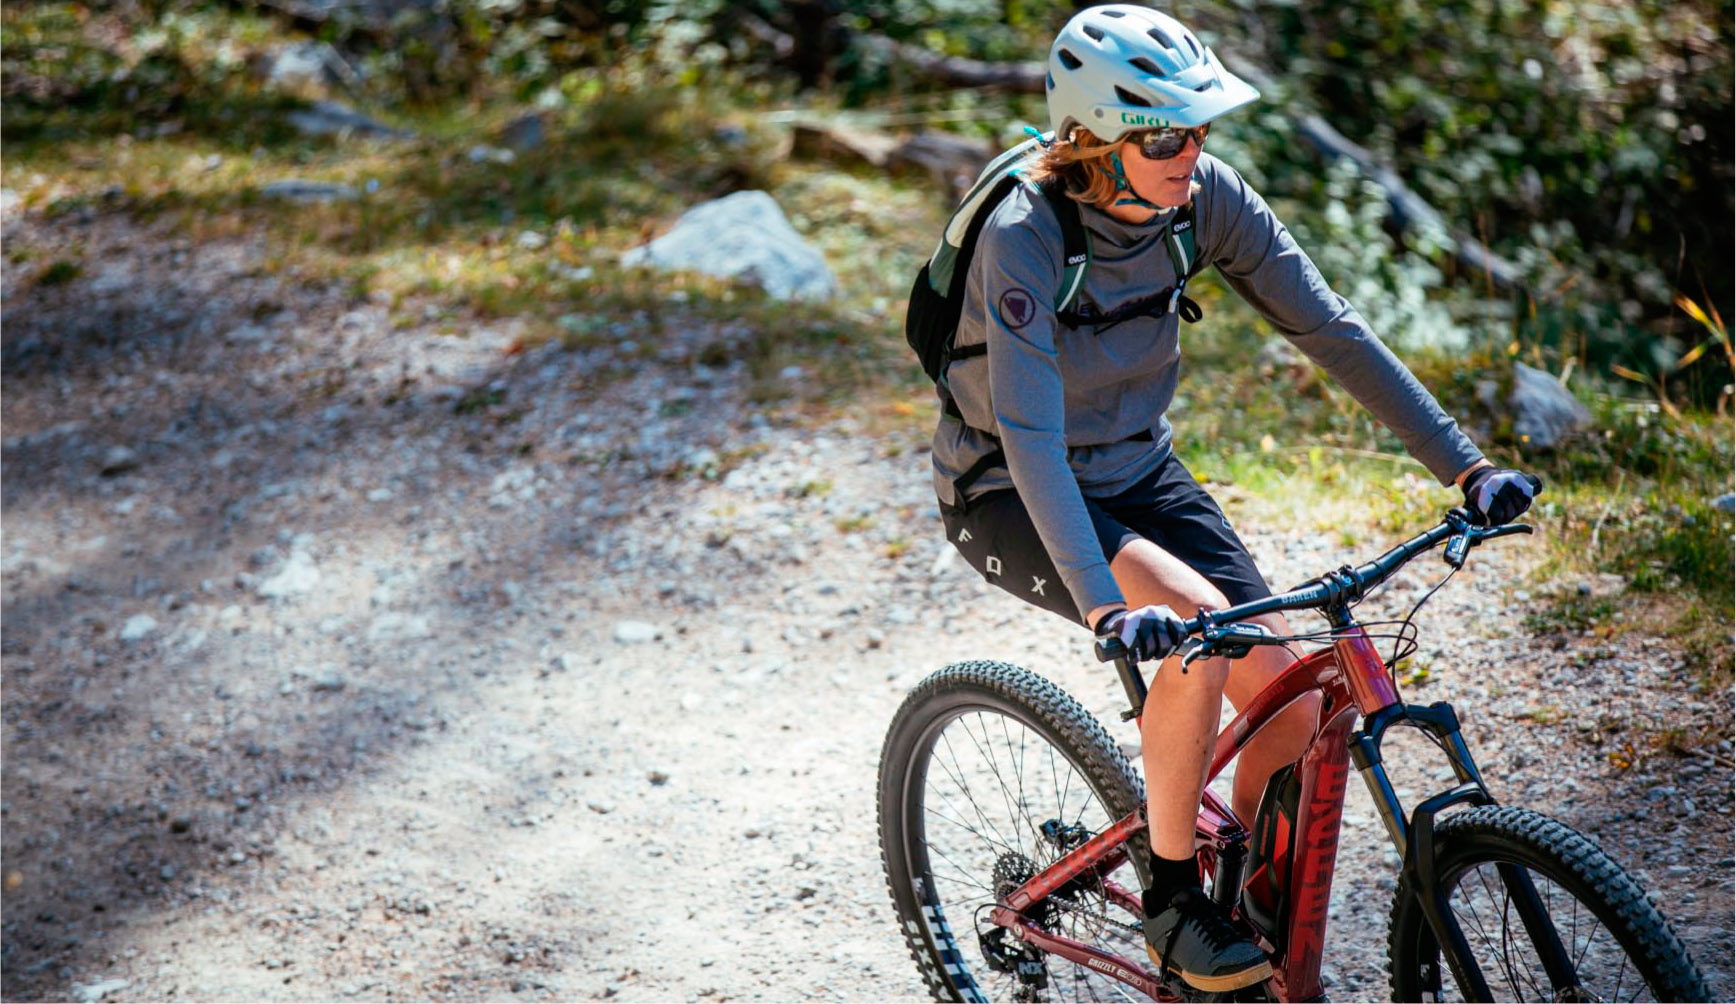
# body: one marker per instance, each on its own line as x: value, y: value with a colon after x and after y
x: 743, y: 236
x: 1544, y: 412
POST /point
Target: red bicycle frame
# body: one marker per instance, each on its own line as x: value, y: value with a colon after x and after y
x: 1352, y: 679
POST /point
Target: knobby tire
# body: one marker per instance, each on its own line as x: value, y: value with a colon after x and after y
x: 1623, y: 947
x: 1043, y: 757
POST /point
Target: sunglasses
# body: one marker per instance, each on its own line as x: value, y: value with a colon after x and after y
x: 1162, y: 144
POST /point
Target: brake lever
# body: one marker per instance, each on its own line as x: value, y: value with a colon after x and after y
x: 1203, y: 650
x: 1460, y: 547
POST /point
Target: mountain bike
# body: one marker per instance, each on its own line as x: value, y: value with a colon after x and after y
x: 1014, y: 836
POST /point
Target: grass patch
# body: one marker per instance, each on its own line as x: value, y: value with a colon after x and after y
x: 1571, y: 611
x: 58, y: 273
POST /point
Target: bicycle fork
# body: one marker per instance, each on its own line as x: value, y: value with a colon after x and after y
x: 1414, y: 839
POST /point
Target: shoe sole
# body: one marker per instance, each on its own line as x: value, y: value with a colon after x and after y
x: 1217, y: 984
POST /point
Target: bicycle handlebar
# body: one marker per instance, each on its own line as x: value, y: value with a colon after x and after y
x: 1342, y: 586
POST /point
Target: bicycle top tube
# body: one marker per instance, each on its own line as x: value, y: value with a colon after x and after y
x: 1346, y: 585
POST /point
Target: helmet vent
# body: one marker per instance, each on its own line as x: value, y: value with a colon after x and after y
x: 1162, y: 39
x: 1095, y: 32
x: 1129, y: 98
x: 1113, y: 13
x: 1069, y: 60
x: 1050, y: 80
x: 1193, y: 44
x: 1142, y: 63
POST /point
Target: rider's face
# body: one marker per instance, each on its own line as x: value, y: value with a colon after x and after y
x: 1160, y: 182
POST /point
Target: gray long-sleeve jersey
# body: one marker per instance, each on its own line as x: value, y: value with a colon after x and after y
x: 1066, y: 403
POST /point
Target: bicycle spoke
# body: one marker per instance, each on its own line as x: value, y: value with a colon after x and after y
x: 1499, y: 934
x: 993, y: 763
x: 995, y: 839
x: 964, y: 788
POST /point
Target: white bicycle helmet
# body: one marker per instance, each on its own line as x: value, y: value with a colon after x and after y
x: 1121, y: 68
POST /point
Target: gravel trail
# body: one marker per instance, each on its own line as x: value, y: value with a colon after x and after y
x: 345, y: 660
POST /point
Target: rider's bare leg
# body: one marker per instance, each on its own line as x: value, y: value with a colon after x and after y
x: 1181, y: 711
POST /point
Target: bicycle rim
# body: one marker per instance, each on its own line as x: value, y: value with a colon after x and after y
x: 1618, y: 946
x: 998, y: 776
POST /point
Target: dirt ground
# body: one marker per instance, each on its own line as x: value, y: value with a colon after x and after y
x: 343, y: 659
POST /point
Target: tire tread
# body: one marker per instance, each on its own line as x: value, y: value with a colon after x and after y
x: 1107, y: 769
x: 1663, y: 952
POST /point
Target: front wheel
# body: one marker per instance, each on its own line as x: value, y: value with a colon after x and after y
x: 989, y: 775
x: 1615, y: 946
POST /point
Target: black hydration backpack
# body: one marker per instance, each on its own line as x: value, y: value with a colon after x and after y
x: 937, y: 296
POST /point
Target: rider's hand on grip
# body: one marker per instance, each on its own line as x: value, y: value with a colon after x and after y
x: 1496, y: 495
x: 1148, y: 633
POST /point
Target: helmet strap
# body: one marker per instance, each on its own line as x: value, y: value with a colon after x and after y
x: 1123, y: 185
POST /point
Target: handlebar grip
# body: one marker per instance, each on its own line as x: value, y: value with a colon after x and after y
x: 1110, y: 649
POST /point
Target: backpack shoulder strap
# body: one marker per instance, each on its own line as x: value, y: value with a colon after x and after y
x: 1182, y: 253
x: 1075, y: 244
x: 1181, y: 243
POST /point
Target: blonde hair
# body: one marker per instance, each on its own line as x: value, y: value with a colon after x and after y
x: 1081, y: 163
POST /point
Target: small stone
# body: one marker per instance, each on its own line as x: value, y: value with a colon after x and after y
x: 635, y: 632
x: 600, y: 808
x: 309, y: 192
x: 298, y: 577
x: 118, y: 460
x: 166, y: 873
x: 329, y: 680
x: 658, y: 778
x: 138, y: 627
x: 181, y: 824
x: 523, y: 133
x: 90, y: 993
x: 398, y: 626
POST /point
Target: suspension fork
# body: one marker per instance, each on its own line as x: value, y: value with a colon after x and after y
x: 1415, y: 842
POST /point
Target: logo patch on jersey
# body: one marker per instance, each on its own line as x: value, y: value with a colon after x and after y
x: 1017, y: 308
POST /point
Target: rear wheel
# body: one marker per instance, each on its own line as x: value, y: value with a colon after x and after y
x: 1615, y: 945
x: 989, y: 775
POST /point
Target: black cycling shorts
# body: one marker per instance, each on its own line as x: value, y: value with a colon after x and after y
x: 1168, y: 507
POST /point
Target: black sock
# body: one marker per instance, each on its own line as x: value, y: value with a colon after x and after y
x: 1169, y: 877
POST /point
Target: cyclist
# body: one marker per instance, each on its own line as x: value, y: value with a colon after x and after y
x: 1074, y: 499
